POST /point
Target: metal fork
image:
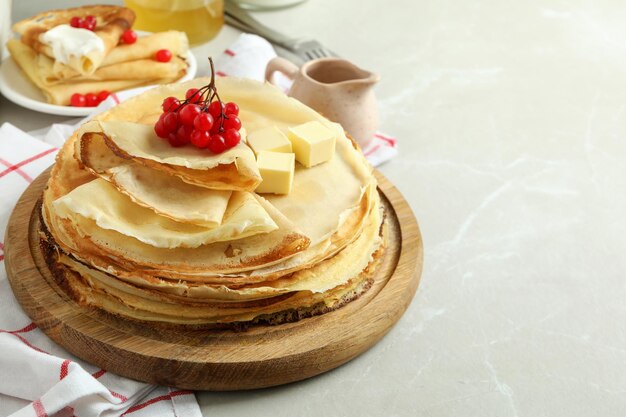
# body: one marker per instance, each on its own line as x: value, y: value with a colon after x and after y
x: 299, y: 50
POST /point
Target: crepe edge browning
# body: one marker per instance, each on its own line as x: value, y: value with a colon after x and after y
x: 72, y: 283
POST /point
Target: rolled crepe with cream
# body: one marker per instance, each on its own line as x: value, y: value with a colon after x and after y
x: 79, y: 49
x: 137, y: 59
x: 36, y: 66
x: 42, y: 67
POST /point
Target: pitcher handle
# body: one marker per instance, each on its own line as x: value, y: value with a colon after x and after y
x: 281, y: 65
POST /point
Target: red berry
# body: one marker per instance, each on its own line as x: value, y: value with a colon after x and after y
x: 217, y: 125
x: 76, y: 22
x: 183, y: 134
x: 231, y: 108
x: 200, y: 138
x: 103, y: 95
x: 78, y: 100
x: 170, y: 104
x: 193, y: 96
x: 88, y: 23
x: 232, y: 122
x: 217, y: 143
x: 129, y: 36
x: 170, y: 121
x: 231, y: 137
x: 215, y: 109
x: 91, y: 100
x: 159, y: 129
x: 172, y: 138
x: 203, y: 121
x: 91, y: 20
x: 163, y: 55
x: 188, y: 113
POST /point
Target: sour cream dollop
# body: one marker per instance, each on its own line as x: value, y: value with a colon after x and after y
x: 67, y: 41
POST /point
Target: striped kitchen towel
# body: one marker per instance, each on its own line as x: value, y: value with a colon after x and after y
x: 38, y: 377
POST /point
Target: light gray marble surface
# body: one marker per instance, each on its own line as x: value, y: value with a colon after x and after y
x: 511, y: 120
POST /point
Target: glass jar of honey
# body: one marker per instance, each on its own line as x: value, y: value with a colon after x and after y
x: 201, y: 20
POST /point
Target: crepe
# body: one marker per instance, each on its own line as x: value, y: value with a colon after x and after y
x: 126, y: 61
x: 108, y: 248
x: 101, y: 202
x: 79, y: 63
x: 165, y: 194
x: 28, y: 60
x: 147, y: 46
x: 141, y: 69
x: 62, y: 93
x: 102, y: 290
x: 112, y: 21
x: 320, y: 278
x: 96, y: 291
x: 234, y: 169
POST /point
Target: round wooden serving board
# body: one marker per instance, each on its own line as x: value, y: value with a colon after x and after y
x: 262, y: 356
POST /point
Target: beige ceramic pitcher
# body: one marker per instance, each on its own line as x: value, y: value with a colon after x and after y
x: 336, y: 88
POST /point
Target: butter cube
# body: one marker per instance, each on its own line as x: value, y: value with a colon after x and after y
x: 276, y: 170
x: 269, y: 139
x: 313, y: 143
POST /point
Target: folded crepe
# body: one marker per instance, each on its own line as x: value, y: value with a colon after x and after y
x: 32, y: 63
x: 141, y: 70
x: 147, y: 46
x: 165, y: 194
x: 126, y: 62
x: 100, y: 201
x: 112, y: 21
x: 111, y: 250
x: 234, y: 169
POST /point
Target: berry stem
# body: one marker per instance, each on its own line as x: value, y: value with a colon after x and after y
x: 208, y: 94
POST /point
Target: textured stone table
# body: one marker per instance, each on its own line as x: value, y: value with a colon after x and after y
x: 512, y: 126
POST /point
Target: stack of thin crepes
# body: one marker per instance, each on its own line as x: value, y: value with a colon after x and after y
x: 114, y: 66
x: 154, y: 233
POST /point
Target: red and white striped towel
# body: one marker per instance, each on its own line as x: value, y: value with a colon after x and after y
x: 37, y: 377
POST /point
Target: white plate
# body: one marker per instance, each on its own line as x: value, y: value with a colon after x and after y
x: 16, y: 86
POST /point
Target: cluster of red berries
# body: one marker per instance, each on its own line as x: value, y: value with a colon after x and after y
x: 89, y: 99
x: 89, y: 22
x: 202, y: 119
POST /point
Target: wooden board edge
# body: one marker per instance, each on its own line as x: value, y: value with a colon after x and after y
x: 411, y: 259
